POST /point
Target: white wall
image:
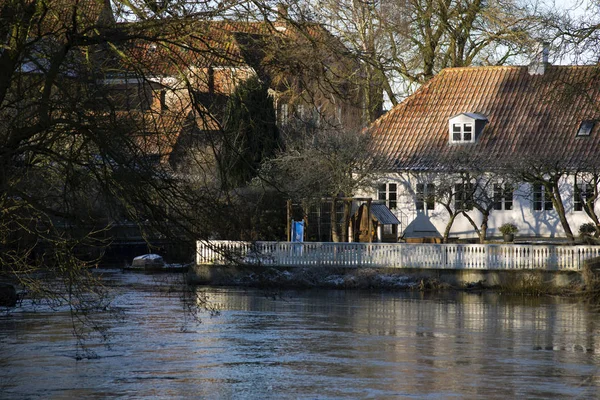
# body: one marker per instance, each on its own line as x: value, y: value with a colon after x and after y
x: 433, y: 222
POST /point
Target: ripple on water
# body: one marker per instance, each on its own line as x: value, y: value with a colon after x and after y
x: 307, y: 344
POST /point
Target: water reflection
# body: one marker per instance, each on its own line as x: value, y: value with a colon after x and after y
x: 312, y: 344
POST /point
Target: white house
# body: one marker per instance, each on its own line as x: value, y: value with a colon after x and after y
x: 497, y: 135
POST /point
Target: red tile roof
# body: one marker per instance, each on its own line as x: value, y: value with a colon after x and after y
x: 529, y: 116
x: 60, y: 15
x: 190, y: 43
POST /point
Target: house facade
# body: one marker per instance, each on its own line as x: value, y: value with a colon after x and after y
x: 479, y: 147
x: 192, y: 81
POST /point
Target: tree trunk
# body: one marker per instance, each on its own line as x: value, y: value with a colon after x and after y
x: 473, y: 224
x: 560, y: 209
x: 333, y: 230
x: 346, y: 221
x: 448, y: 227
x: 484, y: 228
x: 590, y: 203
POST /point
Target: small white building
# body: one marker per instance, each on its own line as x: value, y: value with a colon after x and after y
x: 495, y: 141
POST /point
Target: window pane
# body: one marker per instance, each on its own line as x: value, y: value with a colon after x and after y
x: 466, y: 195
x: 456, y: 133
x: 497, y: 197
x: 430, y: 196
x: 381, y: 192
x: 508, y: 197
x: 392, y: 194
x: 586, y: 127
x: 458, y: 196
x: 547, y: 201
x: 589, y: 191
x: 468, y: 133
x: 537, y: 197
x: 419, y: 196
x: 392, y: 201
x: 577, y: 198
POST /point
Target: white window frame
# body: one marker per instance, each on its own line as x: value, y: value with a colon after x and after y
x: 540, y: 200
x: 425, y: 196
x: 461, y: 131
x: 463, y: 196
x: 503, y: 196
x: 581, y: 194
x: 388, y: 192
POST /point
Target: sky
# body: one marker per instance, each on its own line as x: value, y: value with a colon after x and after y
x: 577, y: 9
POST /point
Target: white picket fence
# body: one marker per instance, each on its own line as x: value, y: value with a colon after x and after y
x: 397, y: 255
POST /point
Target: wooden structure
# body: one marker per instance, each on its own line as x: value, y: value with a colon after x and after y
x: 374, y: 224
x: 345, y: 219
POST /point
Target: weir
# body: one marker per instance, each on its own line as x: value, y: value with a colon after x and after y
x: 396, y: 255
x: 495, y: 264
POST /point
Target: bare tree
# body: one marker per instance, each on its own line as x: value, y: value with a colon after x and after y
x: 88, y: 128
x: 545, y: 174
x: 586, y: 194
x: 404, y: 43
x: 320, y: 163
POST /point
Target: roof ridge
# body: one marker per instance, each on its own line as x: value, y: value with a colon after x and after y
x: 478, y: 68
x: 510, y: 67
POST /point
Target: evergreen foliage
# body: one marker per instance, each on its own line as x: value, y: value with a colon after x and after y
x: 250, y: 133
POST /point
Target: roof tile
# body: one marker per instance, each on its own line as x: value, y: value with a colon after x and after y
x: 529, y: 115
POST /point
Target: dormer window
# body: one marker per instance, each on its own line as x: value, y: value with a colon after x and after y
x: 466, y: 127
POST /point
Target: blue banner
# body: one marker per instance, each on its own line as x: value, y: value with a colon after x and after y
x: 297, y: 231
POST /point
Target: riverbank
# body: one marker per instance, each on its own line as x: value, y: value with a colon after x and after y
x: 515, y: 281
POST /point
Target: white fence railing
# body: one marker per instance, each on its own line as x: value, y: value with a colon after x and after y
x: 397, y: 255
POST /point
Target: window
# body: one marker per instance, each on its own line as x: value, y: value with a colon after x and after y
x: 467, y: 132
x: 456, y: 133
x: 581, y: 193
x: 425, y: 196
x: 163, y: 100
x: 466, y: 127
x: 585, y: 128
x: 463, y: 196
x: 388, y: 192
x: 503, y: 197
x: 542, y: 200
x: 283, y: 114
x: 462, y: 132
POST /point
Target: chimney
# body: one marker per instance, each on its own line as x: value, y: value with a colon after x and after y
x: 541, y: 62
x: 106, y: 18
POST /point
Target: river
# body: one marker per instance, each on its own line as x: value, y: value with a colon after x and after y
x: 311, y: 344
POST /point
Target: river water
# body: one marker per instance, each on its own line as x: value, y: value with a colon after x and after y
x: 313, y: 344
